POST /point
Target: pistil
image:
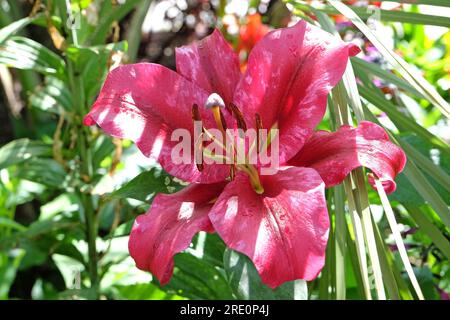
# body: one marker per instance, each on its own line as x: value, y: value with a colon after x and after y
x: 215, y: 103
x: 254, y: 177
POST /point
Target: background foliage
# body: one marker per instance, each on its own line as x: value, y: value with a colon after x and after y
x: 69, y: 194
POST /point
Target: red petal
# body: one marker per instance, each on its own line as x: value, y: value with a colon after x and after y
x: 289, y: 74
x: 211, y: 64
x: 144, y: 103
x: 335, y: 154
x: 168, y: 227
x: 284, y: 231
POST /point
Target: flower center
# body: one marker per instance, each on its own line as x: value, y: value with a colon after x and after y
x: 229, y: 140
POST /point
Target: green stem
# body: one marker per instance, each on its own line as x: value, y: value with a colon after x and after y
x: 85, y: 172
x: 85, y: 169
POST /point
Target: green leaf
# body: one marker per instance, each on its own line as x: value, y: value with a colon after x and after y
x: 69, y: 250
x: 15, y: 27
x: 133, y: 35
x: 400, y: 120
x: 443, y: 3
x: 421, y: 183
x: 146, y: 185
x: 27, y: 54
x: 53, y: 97
x: 142, y: 291
x: 195, y: 278
x: 69, y: 268
x: 39, y: 228
x: 35, y: 255
x: 425, y: 278
x: 44, y: 171
x: 9, y: 264
x: 6, y: 222
x: 92, y: 63
x: 102, y: 148
x: 21, y: 150
x: 123, y: 230
x: 363, y: 67
x: 109, y: 15
x: 246, y: 283
x: 394, y: 16
x: 406, y: 192
x: 65, y: 202
x: 413, y: 77
x: 429, y: 229
x: 419, y: 151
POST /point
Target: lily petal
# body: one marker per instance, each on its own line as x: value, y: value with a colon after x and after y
x: 335, y: 154
x: 284, y: 231
x: 168, y: 227
x: 289, y: 74
x: 210, y: 63
x: 132, y: 105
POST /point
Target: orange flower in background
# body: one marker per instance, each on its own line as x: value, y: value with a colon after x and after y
x: 249, y: 35
x: 252, y: 32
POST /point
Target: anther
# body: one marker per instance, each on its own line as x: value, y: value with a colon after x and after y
x: 198, y: 144
x: 195, y: 113
x: 259, y: 126
x: 239, y: 117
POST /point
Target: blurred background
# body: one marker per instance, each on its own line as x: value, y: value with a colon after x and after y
x: 69, y: 194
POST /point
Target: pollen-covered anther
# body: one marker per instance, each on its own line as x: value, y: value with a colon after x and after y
x: 195, y: 113
x: 259, y: 126
x: 239, y: 117
x: 198, y: 144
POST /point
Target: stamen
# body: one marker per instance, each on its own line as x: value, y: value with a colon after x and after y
x: 224, y: 123
x: 232, y: 171
x: 259, y: 127
x: 254, y: 177
x: 195, y: 113
x: 198, y: 144
x: 214, y: 100
x: 273, y: 132
x: 239, y: 117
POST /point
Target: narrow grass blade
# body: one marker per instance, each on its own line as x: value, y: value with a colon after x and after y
x: 363, y: 67
x: 396, y: 286
x: 395, y: 16
x: 398, y: 237
x: 426, y: 165
x: 420, y: 182
x: 386, y: 269
x: 340, y: 242
x: 368, y: 231
x: 427, y: 227
x: 410, y: 75
x: 133, y: 35
x: 359, y: 238
x: 400, y: 119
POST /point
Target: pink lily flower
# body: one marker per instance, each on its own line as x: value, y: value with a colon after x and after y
x: 280, y: 221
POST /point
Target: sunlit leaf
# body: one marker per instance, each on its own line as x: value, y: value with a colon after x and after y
x: 247, y: 285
